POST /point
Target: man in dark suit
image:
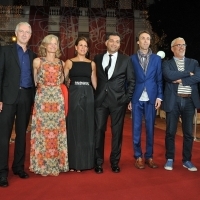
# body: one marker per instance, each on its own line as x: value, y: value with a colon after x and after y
x: 180, y: 99
x: 115, y: 85
x: 146, y: 98
x: 16, y: 99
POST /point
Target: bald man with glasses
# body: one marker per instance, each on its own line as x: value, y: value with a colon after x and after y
x: 181, y: 97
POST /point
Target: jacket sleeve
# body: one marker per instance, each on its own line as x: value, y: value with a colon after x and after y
x: 172, y: 75
x: 1, y: 71
x: 130, y: 80
x: 159, y: 81
x: 194, y: 78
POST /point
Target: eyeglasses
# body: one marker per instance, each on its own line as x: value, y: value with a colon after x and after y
x: 180, y: 45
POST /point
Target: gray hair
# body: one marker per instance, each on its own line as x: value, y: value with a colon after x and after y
x: 179, y: 38
x: 22, y: 23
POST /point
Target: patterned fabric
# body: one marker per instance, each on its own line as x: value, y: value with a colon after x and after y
x: 144, y: 59
x: 186, y: 89
x: 48, y: 154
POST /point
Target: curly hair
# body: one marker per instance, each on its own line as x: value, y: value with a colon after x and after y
x: 42, y: 48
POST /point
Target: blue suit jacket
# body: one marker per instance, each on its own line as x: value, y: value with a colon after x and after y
x: 152, y: 81
x: 171, y: 73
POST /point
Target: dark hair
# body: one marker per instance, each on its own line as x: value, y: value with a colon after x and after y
x: 113, y: 34
x: 81, y: 38
x: 141, y: 32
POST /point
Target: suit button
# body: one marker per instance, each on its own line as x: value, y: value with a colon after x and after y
x: 106, y: 90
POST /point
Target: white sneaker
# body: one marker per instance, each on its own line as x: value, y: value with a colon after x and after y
x: 189, y: 166
x: 169, y: 164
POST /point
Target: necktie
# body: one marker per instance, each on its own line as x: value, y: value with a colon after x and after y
x: 108, y: 67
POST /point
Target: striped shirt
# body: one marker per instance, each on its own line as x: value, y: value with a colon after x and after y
x: 181, y: 67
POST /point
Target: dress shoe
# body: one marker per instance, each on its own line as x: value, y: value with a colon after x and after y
x: 139, y: 163
x: 115, y: 169
x: 3, y: 182
x: 22, y: 174
x: 98, y: 169
x: 150, y: 163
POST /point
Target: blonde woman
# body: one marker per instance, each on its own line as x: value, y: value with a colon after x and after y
x: 48, y: 155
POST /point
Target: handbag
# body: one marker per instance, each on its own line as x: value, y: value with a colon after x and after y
x: 64, y: 92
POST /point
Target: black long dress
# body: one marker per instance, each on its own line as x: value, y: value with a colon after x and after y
x: 80, y: 120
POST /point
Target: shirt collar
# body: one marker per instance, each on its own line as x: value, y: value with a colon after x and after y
x: 176, y: 59
x: 114, y: 54
x: 19, y: 47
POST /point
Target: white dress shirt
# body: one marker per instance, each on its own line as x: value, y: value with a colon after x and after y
x: 105, y: 62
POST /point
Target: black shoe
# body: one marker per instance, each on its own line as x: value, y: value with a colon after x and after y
x: 3, y: 182
x: 21, y: 174
x: 98, y: 169
x: 115, y: 169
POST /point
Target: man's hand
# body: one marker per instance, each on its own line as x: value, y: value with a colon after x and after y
x: 157, y: 104
x: 130, y: 106
x: 177, y: 81
x: 1, y: 106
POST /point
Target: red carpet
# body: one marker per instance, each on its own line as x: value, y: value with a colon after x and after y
x: 130, y: 184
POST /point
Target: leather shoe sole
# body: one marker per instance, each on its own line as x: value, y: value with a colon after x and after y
x: 3, y: 182
x: 22, y: 174
x: 115, y: 169
x: 98, y: 169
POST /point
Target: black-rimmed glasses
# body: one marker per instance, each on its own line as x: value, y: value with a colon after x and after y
x: 180, y: 45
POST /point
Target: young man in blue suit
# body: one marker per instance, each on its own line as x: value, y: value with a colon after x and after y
x: 181, y: 97
x: 146, y: 98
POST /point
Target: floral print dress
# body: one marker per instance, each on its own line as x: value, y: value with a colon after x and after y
x: 48, y: 153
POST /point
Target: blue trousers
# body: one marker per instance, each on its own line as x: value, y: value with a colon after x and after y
x: 143, y: 110
x: 183, y: 107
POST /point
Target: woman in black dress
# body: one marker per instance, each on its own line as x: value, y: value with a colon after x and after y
x: 80, y: 119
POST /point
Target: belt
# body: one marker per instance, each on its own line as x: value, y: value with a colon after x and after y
x: 23, y: 88
x: 184, y: 95
x: 79, y: 83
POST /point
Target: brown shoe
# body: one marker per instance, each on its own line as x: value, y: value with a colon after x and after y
x: 139, y: 163
x: 150, y: 163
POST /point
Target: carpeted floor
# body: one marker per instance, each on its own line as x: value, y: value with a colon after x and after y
x: 129, y: 184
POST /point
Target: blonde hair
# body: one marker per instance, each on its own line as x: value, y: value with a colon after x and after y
x: 42, y: 48
x: 23, y: 23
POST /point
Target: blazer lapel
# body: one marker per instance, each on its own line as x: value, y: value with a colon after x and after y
x: 173, y: 63
x: 117, y: 64
x: 15, y: 55
x: 149, y: 65
x: 186, y: 63
x: 30, y: 57
x: 101, y: 70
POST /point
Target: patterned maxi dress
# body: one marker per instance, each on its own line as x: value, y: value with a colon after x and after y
x: 48, y: 154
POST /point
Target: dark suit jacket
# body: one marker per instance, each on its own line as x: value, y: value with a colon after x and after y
x: 171, y: 73
x: 152, y: 80
x: 119, y: 88
x: 10, y: 73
